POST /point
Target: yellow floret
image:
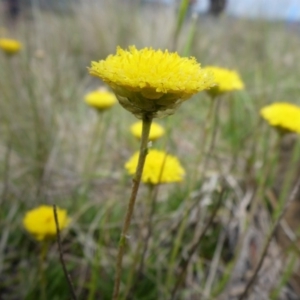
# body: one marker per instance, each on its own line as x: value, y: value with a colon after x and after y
x: 151, y: 81
x: 156, y: 130
x: 160, y: 167
x: 100, y: 99
x: 10, y: 46
x: 283, y: 115
x: 40, y: 222
x: 226, y: 80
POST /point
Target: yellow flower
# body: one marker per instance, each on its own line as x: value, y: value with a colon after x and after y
x: 151, y: 82
x: 226, y: 80
x: 282, y: 115
x: 156, y: 131
x: 100, y: 99
x: 10, y: 46
x: 155, y: 161
x: 40, y: 222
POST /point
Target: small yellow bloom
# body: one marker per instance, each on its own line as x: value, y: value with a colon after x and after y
x: 156, y: 130
x: 40, y: 222
x: 155, y: 161
x: 10, y: 46
x: 100, y: 99
x: 282, y: 115
x: 151, y: 82
x: 226, y: 81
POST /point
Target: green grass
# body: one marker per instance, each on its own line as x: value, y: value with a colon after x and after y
x: 46, y: 131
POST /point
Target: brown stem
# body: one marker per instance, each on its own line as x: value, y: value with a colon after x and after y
x: 136, y: 182
x: 61, y: 256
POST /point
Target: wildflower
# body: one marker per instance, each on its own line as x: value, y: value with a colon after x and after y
x: 156, y: 130
x: 283, y: 116
x: 151, y: 82
x: 100, y: 99
x: 160, y: 167
x: 226, y: 80
x: 40, y: 222
x: 10, y: 46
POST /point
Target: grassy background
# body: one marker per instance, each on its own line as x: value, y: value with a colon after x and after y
x: 46, y: 157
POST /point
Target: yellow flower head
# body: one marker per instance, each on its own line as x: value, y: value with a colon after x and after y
x: 155, y: 161
x: 226, y: 80
x: 100, y: 99
x: 282, y: 115
x: 10, y: 46
x: 156, y: 130
x: 40, y: 222
x: 151, y: 82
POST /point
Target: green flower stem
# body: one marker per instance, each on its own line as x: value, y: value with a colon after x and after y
x: 136, y: 182
x: 191, y: 35
x: 183, y: 10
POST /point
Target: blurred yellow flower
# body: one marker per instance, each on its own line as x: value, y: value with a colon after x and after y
x: 226, y: 80
x: 282, y: 115
x: 155, y: 161
x: 156, y: 130
x: 10, y: 46
x: 151, y: 82
x: 100, y: 99
x: 40, y: 222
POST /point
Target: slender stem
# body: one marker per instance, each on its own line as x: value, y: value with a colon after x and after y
x: 136, y: 182
x: 61, y: 256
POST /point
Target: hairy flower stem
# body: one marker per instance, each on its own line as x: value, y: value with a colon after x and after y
x: 136, y: 182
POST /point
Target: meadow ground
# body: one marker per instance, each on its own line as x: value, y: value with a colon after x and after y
x: 218, y: 222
